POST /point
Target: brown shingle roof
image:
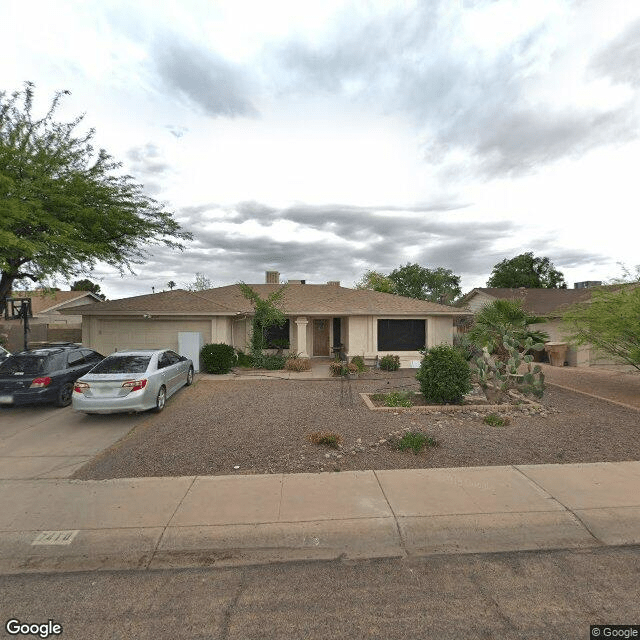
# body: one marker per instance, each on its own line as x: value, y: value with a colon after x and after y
x: 302, y: 299
x: 42, y: 301
x: 541, y: 302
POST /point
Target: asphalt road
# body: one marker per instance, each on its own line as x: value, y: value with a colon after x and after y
x: 554, y: 594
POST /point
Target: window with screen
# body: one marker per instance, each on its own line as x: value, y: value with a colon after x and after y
x: 401, y: 335
x: 276, y: 336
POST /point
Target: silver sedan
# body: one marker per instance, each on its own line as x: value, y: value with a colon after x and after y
x: 132, y: 381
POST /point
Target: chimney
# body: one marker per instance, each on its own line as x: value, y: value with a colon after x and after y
x: 272, y: 277
x: 333, y: 283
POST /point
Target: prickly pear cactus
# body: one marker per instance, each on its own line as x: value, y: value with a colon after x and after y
x: 496, y: 377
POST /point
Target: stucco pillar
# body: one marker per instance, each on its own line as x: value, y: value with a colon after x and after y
x: 301, y: 328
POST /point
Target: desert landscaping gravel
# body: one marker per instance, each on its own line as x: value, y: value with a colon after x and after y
x: 262, y: 426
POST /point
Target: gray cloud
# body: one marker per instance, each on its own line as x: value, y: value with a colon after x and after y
x: 203, y: 77
x: 148, y: 167
x: 406, y: 62
x: 359, y: 238
x: 620, y: 59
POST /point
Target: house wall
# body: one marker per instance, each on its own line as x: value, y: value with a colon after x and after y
x: 576, y: 356
x: 478, y: 300
x: 107, y: 335
x: 439, y: 330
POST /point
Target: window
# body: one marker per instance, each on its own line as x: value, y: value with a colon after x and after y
x: 91, y: 356
x: 401, y: 335
x: 75, y: 359
x: 122, y: 364
x: 276, y: 336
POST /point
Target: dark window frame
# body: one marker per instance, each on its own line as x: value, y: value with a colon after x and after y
x: 401, y: 334
x: 275, y: 332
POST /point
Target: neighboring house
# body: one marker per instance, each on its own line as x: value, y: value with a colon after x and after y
x: 54, y: 317
x: 547, y: 303
x: 320, y: 317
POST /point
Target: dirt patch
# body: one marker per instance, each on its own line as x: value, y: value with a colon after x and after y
x: 262, y: 426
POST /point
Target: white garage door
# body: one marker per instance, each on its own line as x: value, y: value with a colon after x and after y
x: 146, y: 334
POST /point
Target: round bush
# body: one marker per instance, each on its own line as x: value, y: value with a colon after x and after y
x: 444, y: 375
x: 218, y: 358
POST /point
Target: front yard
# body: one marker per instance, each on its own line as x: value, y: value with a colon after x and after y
x: 262, y: 426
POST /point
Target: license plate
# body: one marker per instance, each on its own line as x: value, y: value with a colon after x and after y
x: 6, y: 399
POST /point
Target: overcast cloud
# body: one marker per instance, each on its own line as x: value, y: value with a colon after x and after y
x: 325, y: 139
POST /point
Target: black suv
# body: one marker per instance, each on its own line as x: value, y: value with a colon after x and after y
x: 45, y: 374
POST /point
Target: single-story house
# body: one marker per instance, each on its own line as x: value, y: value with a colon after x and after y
x: 319, y: 318
x: 544, y: 303
x: 54, y: 317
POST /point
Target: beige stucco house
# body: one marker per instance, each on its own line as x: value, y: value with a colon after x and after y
x: 549, y: 304
x: 320, y: 317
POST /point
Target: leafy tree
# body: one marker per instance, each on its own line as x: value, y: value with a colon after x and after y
x: 528, y: 271
x: 499, y: 318
x: 171, y: 284
x: 436, y: 285
x: 201, y: 283
x: 376, y: 281
x: 610, y: 321
x: 63, y: 206
x: 87, y: 285
x: 267, y: 313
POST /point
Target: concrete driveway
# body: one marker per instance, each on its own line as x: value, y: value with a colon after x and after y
x: 48, y: 442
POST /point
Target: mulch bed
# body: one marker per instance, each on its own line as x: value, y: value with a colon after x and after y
x: 262, y: 426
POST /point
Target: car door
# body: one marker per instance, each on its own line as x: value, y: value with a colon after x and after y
x: 174, y: 371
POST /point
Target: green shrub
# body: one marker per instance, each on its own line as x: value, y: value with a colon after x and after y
x: 416, y: 441
x: 390, y: 363
x: 297, y: 364
x: 273, y: 363
x: 327, y: 438
x: 359, y: 362
x: 243, y: 359
x: 218, y: 358
x: 467, y: 347
x: 399, y: 399
x: 444, y: 375
x: 495, y: 420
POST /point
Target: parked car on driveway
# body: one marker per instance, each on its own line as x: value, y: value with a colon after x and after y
x: 132, y: 381
x: 46, y: 374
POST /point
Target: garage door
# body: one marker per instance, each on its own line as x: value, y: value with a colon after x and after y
x: 145, y: 334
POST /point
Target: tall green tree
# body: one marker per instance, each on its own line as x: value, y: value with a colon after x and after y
x: 610, y: 321
x: 63, y: 204
x: 87, y: 285
x: 376, y: 281
x: 526, y: 270
x: 436, y: 285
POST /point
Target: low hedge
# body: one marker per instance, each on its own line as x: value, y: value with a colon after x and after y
x: 218, y: 358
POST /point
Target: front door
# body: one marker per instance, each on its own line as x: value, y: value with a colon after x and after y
x: 321, y: 337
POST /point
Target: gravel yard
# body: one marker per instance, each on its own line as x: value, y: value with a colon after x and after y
x: 262, y: 426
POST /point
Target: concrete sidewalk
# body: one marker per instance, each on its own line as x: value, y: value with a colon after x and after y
x: 61, y: 525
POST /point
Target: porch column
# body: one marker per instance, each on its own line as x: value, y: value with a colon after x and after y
x: 301, y: 328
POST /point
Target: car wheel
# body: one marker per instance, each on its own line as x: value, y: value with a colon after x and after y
x: 64, y: 395
x: 190, y: 377
x: 161, y: 399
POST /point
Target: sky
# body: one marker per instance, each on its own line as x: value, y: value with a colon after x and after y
x: 325, y: 139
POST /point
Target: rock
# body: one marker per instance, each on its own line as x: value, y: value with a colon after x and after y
x: 382, y: 441
x: 359, y: 440
x: 327, y: 455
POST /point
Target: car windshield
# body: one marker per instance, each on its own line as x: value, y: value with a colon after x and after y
x: 27, y: 364
x: 122, y: 364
